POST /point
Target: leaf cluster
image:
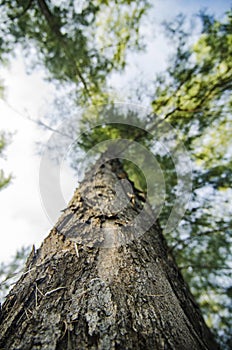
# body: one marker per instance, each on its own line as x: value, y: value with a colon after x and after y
x: 78, y: 43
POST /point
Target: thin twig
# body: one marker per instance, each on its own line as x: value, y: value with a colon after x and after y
x: 37, y: 122
x: 76, y: 249
x: 155, y: 295
x: 53, y: 291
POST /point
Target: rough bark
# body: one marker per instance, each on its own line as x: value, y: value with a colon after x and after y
x: 97, y: 284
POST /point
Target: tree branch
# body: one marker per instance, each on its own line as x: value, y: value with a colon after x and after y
x: 52, y: 22
x: 38, y: 122
x: 28, y: 5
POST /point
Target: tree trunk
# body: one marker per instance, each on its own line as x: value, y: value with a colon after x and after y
x: 97, y: 283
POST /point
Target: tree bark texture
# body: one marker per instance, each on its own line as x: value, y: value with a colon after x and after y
x: 97, y: 284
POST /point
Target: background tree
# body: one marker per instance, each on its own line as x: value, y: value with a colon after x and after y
x: 194, y: 95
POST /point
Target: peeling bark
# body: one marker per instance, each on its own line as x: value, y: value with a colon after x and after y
x: 97, y: 283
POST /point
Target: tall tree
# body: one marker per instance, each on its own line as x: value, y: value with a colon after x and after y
x: 96, y: 284
x: 182, y: 97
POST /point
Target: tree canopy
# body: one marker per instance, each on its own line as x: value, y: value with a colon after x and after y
x: 78, y: 42
x: 81, y: 45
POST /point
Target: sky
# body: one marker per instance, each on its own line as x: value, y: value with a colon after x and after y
x: 24, y: 220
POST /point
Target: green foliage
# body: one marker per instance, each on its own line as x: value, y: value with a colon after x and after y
x: 194, y: 92
x: 78, y: 43
x: 4, y: 180
x: 104, y: 122
x: 11, y: 271
x: 194, y: 95
x: 4, y: 140
x: 1, y: 89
